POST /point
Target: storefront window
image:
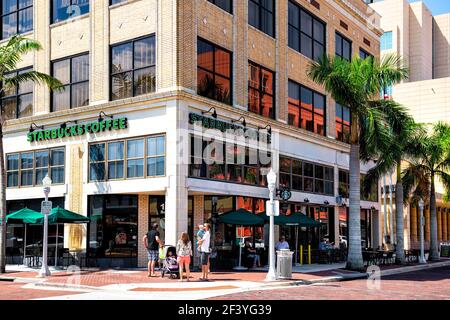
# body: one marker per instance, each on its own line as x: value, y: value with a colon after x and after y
x: 15, y: 233
x: 113, y: 231
x: 157, y: 212
x: 344, y: 187
x: 135, y: 155
x: 231, y: 163
x: 28, y: 169
x: 112, y: 159
x: 308, y: 177
x: 214, y: 207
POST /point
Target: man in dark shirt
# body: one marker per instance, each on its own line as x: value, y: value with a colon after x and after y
x: 152, y: 242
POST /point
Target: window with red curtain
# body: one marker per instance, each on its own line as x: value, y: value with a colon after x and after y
x: 307, y: 109
x: 261, y: 98
x: 343, y: 123
x: 213, y: 72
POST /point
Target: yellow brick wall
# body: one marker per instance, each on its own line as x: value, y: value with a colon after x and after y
x: 143, y: 216
x: 177, y: 25
x: 214, y: 24
x: 131, y: 20
x: 75, y: 202
x: 70, y: 37
x: 186, y: 72
x: 199, y: 218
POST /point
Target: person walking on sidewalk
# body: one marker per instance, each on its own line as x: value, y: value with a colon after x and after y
x: 152, y: 242
x: 184, y: 253
x: 205, y: 251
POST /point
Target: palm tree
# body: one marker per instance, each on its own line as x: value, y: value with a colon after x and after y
x: 432, y: 163
x: 357, y: 84
x: 10, y: 55
x: 402, y: 147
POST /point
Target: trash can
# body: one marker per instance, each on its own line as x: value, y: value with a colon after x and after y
x: 284, y: 264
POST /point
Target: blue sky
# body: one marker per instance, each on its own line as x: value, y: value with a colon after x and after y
x: 437, y: 6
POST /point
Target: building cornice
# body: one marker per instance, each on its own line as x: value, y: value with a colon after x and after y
x: 360, y: 18
x: 157, y: 100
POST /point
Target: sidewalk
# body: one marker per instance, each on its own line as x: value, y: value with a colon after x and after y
x: 134, y: 284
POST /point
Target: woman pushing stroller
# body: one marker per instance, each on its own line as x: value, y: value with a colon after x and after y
x: 184, y: 253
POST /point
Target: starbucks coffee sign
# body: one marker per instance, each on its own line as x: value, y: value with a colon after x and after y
x: 78, y: 130
x: 210, y: 123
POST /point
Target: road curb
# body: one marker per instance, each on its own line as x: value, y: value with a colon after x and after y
x: 359, y: 276
x: 421, y: 267
x: 67, y: 286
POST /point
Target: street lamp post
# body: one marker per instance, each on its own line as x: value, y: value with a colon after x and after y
x: 272, y: 180
x: 421, y: 230
x: 45, y: 272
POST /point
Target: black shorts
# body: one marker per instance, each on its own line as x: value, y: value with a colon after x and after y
x: 205, y: 258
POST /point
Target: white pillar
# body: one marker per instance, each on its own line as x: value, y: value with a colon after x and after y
x: 177, y: 153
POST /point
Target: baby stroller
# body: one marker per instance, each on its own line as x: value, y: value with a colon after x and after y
x: 169, y: 263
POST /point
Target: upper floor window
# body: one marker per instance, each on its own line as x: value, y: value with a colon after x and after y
x: 111, y: 2
x: 363, y: 54
x: 261, y: 93
x: 386, y: 41
x: 133, y: 68
x: 17, y: 102
x: 17, y: 17
x: 68, y: 9
x: 306, y: 108
x: 73, y: 72
x: 305, y: 176
x: 261, y: 15
x: 306, y: 32
x: 128, y: 159
x: 28, y: 169
x: 213, y: 72
x: 226, y: 5
x: 343, y: 47
x: 343, y: 123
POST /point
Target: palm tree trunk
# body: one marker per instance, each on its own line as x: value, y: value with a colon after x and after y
x: 434, y: 251
x: 400, y: 247
x: 2, y: 206
x: 355, y: 258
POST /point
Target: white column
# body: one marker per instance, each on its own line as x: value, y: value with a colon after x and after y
x: 176, y: 170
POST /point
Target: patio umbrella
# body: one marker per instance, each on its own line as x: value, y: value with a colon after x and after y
x: 295, y: 219
x: 24, y: 216
x: 241, y: 218
x: 62, y: 216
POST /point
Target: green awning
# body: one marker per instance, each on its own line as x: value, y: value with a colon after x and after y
x: 61, y: 216
x: 241, y: 217
x: 24, y: 216
x: 295, y: 219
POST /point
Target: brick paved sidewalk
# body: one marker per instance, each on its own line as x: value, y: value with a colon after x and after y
x: 102, y: 278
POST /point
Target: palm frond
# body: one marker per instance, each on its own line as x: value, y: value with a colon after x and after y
x: 36, y: 77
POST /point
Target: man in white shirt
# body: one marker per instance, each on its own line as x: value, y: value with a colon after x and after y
x: 282, y: 245
x: 205, y: 251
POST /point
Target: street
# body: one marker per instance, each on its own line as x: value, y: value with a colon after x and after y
x: 431, y: 284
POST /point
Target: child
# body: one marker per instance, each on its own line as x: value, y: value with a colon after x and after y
x: 171, y: 259
x: 200, y: 234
